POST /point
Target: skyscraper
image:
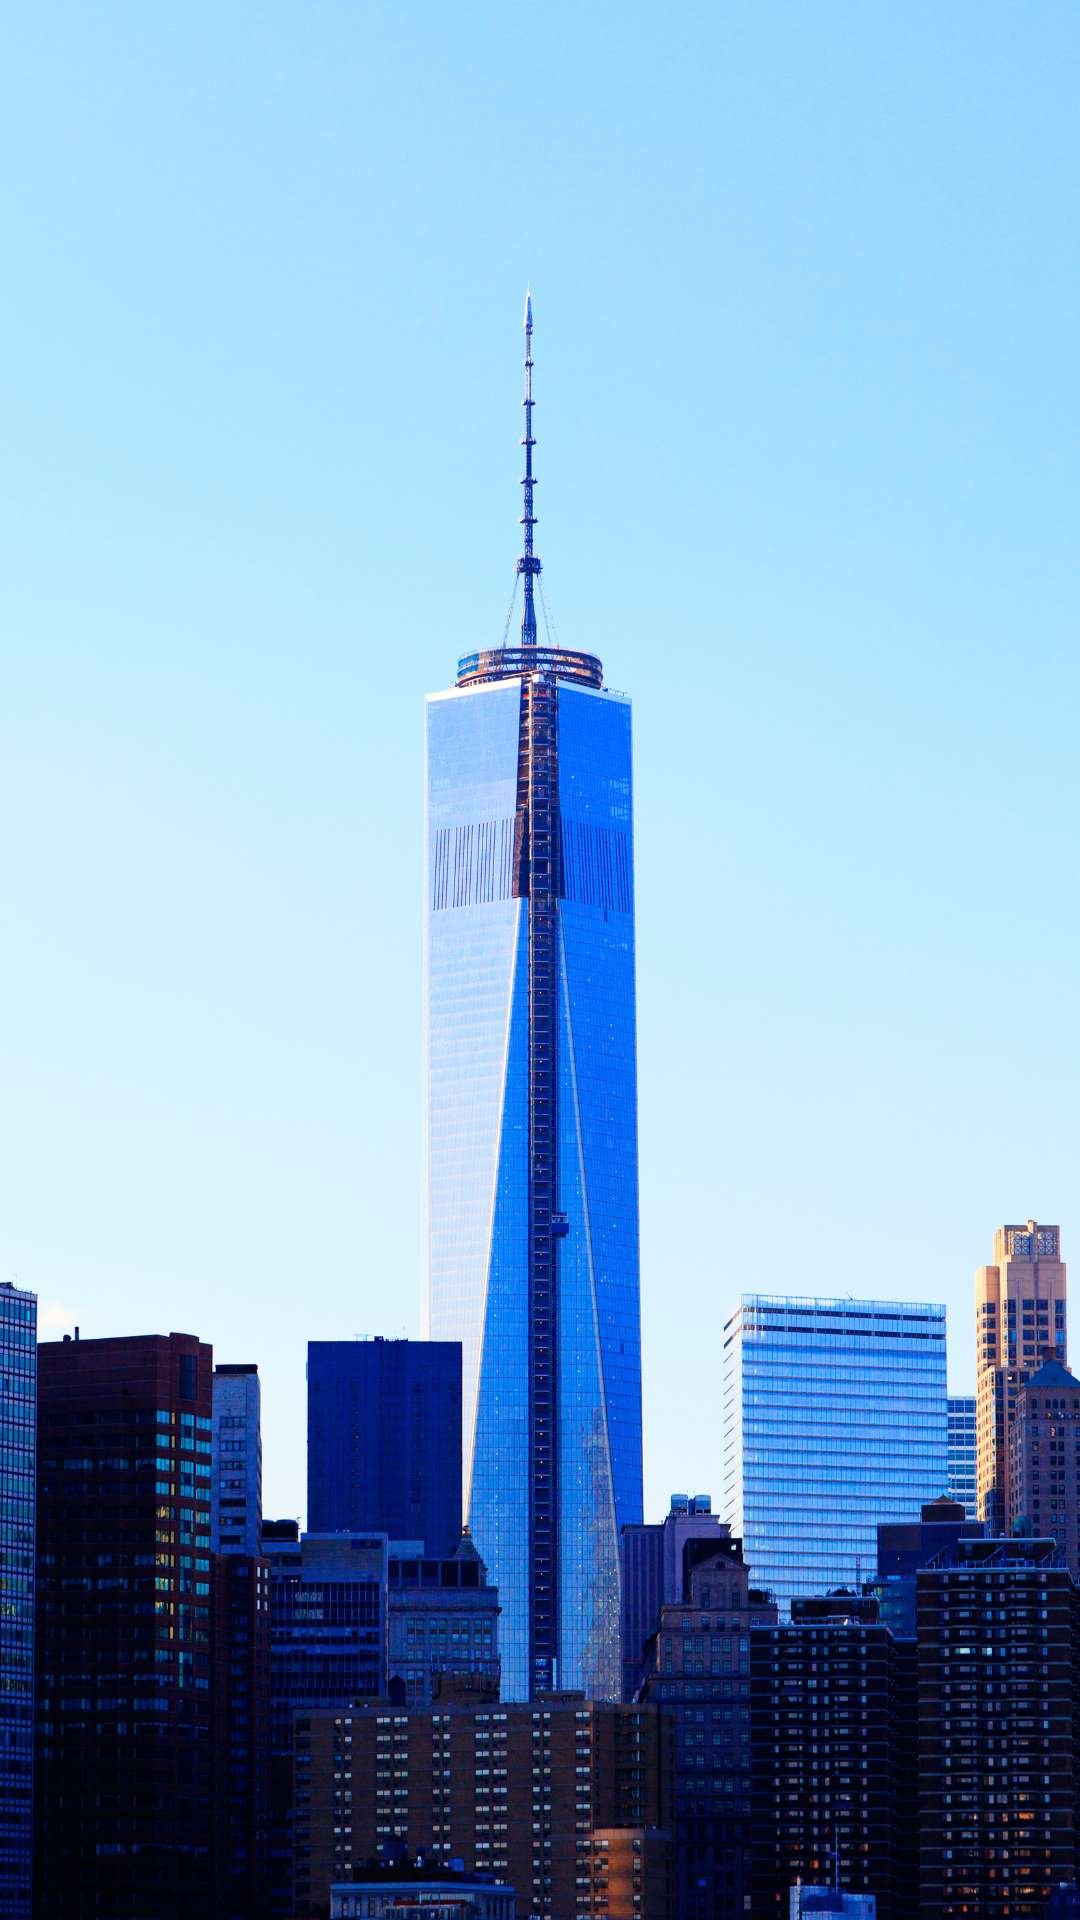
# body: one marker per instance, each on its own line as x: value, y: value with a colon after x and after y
x: 125, y: 1704
x: 236, y: 1487
x: 442, y: 1618
x: 327, y: 1648
x: 18, y: 1414
x: 1019, y: 1323
x: 962, y: 1481
x: 532, y: 1127
x: 241, y: 1638
x: 384, y: 1440
x: 697, y: 1670
x: 834, y: 1418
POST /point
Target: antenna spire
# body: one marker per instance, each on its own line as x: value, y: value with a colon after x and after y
x: 528, y: 566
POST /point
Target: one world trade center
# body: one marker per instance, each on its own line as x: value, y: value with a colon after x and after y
x: 532, y: 1126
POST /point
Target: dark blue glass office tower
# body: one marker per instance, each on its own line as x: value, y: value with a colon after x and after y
x: 18, y: 1417
x: 532, y: 1129
x: 384, y: 1440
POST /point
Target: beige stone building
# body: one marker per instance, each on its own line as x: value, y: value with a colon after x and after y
x: 1019, y: 1324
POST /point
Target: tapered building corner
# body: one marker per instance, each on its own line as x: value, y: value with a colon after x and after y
x: 532, y: 1127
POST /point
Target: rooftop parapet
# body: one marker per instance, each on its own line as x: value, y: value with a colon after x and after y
x: 515, y: 663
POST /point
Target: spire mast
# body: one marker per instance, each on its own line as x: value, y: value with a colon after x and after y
x: 528, y: 566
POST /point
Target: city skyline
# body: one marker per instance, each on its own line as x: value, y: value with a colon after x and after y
x: 810, y: 493
x: 565, y: 1142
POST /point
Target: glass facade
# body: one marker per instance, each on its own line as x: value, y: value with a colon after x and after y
x: 962, y: 1452
x: 127, y: 1674
x: 327, y: 1624
x: 834, y: 1418
x: 18, y: 1416
x: 484, y: 1042
x: 384, y: 1440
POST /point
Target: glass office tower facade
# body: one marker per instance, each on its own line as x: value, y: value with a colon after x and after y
x: 532, y: 1141
x: 834, y: 1418
x: 962, y: 1475
x: 18, y: 1449
x: 384, y: 1440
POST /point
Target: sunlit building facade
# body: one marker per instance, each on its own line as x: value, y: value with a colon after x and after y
x: 1020, y: 1322
x: 485, y: 1084
x: 532, y: 1129
x: 834, y: 1419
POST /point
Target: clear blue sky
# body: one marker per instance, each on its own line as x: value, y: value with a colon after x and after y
x: 806, y: 285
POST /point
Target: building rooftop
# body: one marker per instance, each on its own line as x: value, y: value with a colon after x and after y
x: 1053, y: 1374
x: 848, y: 1308
x: 515, y: 663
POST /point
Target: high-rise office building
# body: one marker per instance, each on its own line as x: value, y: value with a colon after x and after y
x: 442, y: 1618
x: 657, y: 1558
x: 1019, y: 1322
x: 18, y: 1447
x: 834, y: 1418
x: 327, y: 1648
x: 1044, y: 1460
x: 236, y: 1497
x: 126, y: 1724
x: 532, y: 1128
x: 384, y: 1440
x: 963, y: 1485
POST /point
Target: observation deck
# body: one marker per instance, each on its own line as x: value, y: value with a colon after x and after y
x: 516, y: 663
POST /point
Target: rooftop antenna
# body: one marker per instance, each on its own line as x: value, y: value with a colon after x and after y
x: 528, y: 566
